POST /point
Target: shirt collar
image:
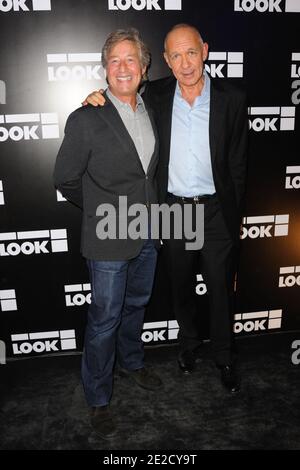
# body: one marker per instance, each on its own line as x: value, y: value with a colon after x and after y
x: 205, y: 94
x: 140, y: 106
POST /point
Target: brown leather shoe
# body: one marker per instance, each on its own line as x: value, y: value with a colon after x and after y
x: 143, y: 377
x: 102, y: 422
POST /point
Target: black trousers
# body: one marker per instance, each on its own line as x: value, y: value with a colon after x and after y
x: 216, y: 260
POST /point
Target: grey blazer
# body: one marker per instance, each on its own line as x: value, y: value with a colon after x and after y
x: 98, y: 162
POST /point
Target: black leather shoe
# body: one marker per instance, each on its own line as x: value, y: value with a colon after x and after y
x: 102, y: 422
x: 229, y: 378
x: 187, y: 361
x: 143, y: 377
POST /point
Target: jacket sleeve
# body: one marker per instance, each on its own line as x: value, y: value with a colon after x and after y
x: 238, y: 150
x: 72, y: 159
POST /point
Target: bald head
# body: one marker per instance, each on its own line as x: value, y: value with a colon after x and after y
x: 185, y: 53
x: 183, y: 26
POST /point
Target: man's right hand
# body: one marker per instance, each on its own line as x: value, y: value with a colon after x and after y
x: 95, y: 98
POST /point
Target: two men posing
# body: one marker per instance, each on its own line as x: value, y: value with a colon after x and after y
x: 112, y: 150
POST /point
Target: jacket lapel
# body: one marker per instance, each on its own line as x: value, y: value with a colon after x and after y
x: 216, y: 118
x: 165, y: 121
x: 154, y: 156
x: 114, y: 121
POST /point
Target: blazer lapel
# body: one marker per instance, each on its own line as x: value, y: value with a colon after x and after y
x: 216, y: 118
x: 165, y: 121
x: 154, y: 156
x: 114, y: 121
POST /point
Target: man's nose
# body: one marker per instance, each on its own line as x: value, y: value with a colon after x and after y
x: 185, y: 61
x: 122, y: 65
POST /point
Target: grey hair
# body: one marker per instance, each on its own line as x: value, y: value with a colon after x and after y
x: 180, y: 26
x: 130, y: 34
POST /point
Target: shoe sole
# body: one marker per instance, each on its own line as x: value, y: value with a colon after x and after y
x: 106, y: 437
x: 185, y: 372
x: 232, y: 392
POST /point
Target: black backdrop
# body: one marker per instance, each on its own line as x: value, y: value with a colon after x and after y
x: 50, y: 60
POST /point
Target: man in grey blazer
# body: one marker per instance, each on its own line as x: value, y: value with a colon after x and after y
x: 108, y: 152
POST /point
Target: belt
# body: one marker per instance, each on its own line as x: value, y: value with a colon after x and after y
x: 194, y: 199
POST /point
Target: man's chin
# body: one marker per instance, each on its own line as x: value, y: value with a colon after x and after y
x: 189, y: 81
x: 126, y: 92
x: 186, y: 82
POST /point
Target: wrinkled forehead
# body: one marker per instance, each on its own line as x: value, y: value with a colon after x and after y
x: 183, y: 37
x: 124, y: 47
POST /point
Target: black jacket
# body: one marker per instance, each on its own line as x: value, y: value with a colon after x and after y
x: 228, y: 129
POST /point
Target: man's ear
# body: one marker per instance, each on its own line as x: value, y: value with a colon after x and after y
x: 205, y: 51
x: 167, y: 59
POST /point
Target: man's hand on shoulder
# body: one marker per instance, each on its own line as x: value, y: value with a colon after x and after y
x: 95, y: 98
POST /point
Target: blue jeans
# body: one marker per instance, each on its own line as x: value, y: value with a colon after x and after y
x: 120, y: 292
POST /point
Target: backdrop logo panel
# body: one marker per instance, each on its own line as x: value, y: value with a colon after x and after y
x: 47, y: 129
x: 265, y: 226
x: 257, y: 321
x: 285, y: 120
x: 43, y: 342
x: 2, y: 92
x: 25, y: 5
x: 62, y: 64
x: 77, y: 294
x: 60, y: 197
x: 8, y: 301
x: 201, y: 288
x: 2, y: 352
x: 289, y: 276
x: 64, y: 67
x: 160, y: 331
x: 231, y: 64
x: 292, y: 179
x: 295, y: 73
x: 295, y: 67
x: 145, y: 4
x: 41, y: 242
x: 272, y: 6
x: 2, y: 202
